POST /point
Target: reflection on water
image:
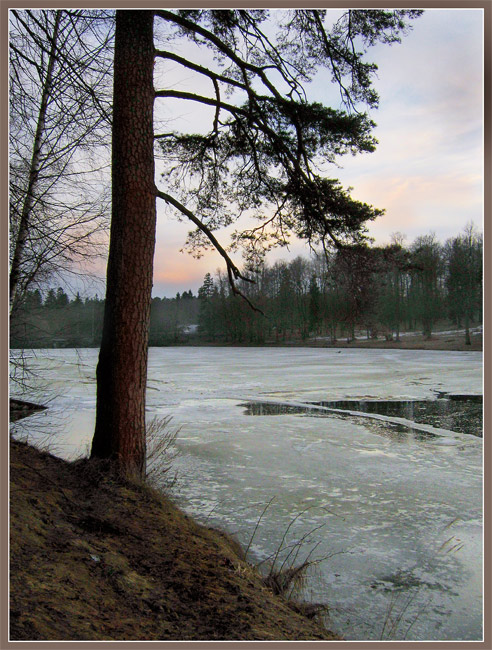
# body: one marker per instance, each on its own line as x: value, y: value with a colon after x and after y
x: 459, y: 413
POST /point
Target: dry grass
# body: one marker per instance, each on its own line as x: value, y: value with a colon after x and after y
x: 94, y: 557
x: 286, y: 575
x: 161, y: 452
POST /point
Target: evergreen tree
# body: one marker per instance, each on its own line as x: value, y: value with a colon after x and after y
x: 261, y: 154
x: 62, y: 299
x: 207, y: 320
x: 50, y: 300
x: 122, y: 367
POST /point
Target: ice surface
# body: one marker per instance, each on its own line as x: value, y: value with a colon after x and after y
x: 398, y: 517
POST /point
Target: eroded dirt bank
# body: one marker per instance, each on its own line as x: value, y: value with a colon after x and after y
x: 95, y: 558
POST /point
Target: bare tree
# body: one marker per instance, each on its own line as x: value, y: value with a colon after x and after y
x: 60, y: 65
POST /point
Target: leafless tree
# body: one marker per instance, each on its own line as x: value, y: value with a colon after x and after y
x: 60, y: 120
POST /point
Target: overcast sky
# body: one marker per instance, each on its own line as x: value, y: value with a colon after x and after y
x: 427, y: 171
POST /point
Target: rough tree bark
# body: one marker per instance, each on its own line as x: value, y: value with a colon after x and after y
x: 122, y: 367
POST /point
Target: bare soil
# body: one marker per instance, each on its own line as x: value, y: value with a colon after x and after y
x: 96, y: 557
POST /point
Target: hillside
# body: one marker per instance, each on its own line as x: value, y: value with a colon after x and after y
x: 97, y: 558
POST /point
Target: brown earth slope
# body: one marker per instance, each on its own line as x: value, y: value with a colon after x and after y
x: 95, y: 558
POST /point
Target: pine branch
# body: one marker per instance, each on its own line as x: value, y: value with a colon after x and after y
x: 233, y: 272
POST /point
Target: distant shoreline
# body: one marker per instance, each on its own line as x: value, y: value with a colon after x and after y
x: 436, y: 342
x: 447, y: 340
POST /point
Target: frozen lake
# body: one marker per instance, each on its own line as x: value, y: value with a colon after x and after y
x: 394, y: 502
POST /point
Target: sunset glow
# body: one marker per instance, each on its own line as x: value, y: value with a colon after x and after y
x: 427, y: 172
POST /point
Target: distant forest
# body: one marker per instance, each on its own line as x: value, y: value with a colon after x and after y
x: 380, y: 291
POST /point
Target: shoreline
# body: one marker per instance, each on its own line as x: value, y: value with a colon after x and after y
x: 436, y: 342
x: 109, y: 559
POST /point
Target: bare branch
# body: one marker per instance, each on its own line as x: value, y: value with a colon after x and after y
x: 200, y: 69
x: 232, y: 270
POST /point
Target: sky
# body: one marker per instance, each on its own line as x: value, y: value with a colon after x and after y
x: 427, y: 171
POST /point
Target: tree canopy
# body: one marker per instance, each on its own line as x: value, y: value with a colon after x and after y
x: 267, y: 148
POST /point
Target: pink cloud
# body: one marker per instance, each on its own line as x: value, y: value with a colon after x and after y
x: 418, y: 203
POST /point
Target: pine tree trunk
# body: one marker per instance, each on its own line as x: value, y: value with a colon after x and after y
x: 122, y: 367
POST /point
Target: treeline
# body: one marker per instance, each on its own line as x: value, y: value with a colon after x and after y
x: 381, y: 291
x: 57, y: 321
